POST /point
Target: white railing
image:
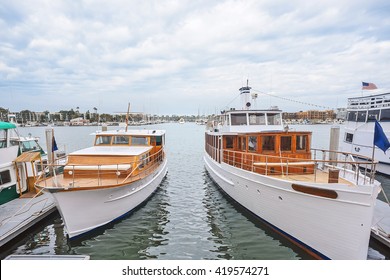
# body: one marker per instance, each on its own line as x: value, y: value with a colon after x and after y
x: 360, y: 172
x: 98, y: 174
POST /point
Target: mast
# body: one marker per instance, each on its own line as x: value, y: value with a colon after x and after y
x: 127, y: 116
x: 245, y: 96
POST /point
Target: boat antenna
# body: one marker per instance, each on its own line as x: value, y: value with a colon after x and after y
x: 127, y: 116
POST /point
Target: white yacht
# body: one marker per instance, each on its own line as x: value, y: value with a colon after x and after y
x: 102, y: 183
x: 323, y: 201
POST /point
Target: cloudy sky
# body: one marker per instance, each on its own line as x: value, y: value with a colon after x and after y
x: 190, y: 56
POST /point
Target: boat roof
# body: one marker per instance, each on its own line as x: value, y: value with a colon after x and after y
x: 135, y: 132
x: 6, y: 125
x: 371, y: 95
x: 252, y: 111
x: 113, y: 151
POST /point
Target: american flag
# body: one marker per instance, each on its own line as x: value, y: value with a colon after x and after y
x: 368, y: 85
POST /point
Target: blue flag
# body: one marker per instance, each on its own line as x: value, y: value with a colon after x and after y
x: 380, y: 138
x: 54, y: 145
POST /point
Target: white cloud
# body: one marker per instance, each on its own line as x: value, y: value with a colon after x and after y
x: 182, y: 56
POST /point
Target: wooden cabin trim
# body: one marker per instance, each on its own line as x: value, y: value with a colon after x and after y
x: 129, y: 142
x: 294, y: 163
x: 315, y: 191
x: 239, y: 146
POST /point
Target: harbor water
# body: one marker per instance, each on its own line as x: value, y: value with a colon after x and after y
x: 188, y: 218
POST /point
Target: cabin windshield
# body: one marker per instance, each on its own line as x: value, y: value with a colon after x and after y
x: 257, y: 119
x: 103, y: 140
x: 238, y: 119
x: 274, y: 118
x: 139, y: 140
x: 31, y: 145
x: 121, y: 140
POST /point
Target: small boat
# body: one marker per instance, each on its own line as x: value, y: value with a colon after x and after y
x: 323, y: 201
x: 181, y: 121
x: 104, y: 182
x: 17, y: 178
x: 362, y: 112
x: 21, y: 162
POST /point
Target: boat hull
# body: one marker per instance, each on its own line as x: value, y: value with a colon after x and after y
x: 326, y: 228
x: 87, y: 210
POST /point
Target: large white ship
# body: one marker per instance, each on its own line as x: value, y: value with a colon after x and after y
x: 359, y: 127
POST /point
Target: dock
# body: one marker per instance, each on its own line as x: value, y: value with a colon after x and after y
x: 380, y: 229
x: 20, y: 214
x: 48, y: 257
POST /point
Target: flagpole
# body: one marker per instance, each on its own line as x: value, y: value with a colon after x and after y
x: 372, y: 159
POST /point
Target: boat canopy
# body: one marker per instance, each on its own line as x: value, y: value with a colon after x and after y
x: 6, y: 125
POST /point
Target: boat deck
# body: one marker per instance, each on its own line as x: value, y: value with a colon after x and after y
x: 20, y: 214
x: 318, y: 177
x: 87, y: 182
x: 380, y: 229
x: 48, y: 257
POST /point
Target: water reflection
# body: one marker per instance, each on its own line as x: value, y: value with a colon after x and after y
x: 240, y: 234
x: 132, y: 237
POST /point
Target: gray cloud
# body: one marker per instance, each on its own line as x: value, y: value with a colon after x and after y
x: 179, y: 57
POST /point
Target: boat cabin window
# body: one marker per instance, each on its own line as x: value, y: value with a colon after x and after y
x: 348, y: 137
x: 229, y: 142
x: 29, y: 146
x: 5, y: 177
x: 373, y: 115
x: 273, y: 118
x: 121, y: 140
x: 252, y: 143
x: 144, y: 160
x: 257, y: 119
x: 242, y: 143
x: 285, y: 143
x: 158, y: 140
x: 238, y: 119
x: 385, y: 115
x: 138, y: 140
x: 301, y: 142
x: 361, y: 116
x: 268, y: 143
x: 352, y: 116
x: 103, y: 140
